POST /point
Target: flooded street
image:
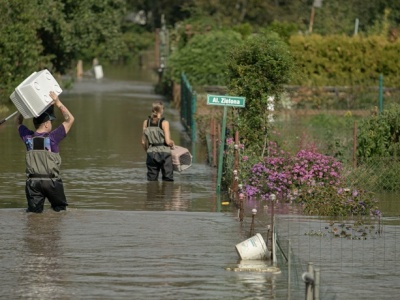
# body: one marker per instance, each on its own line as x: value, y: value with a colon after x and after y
x: 110, y: 254
x: 125, y: 238
x: 121, y: 237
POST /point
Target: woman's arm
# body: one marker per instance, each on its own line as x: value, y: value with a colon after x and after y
x: 167, y: 134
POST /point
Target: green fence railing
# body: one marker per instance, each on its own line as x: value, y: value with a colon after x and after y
x: 188, y: 107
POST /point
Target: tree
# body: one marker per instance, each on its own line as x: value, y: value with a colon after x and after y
x: 54, y: 34
x: 20, y: 48
x: 257, y: 70
x: 203, y: 59
x: 85, y: 29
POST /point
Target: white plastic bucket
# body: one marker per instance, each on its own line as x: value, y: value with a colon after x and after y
x: 253, y: 248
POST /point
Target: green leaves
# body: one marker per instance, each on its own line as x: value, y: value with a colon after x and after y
x: 378, y: 136
x: 338, y: 60
x: 20, y: 48
x: 55, y: 34
x: 257, y: 70
x: 203, y: 59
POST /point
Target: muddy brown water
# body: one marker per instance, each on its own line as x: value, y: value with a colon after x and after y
x: 125, y: 238
x: 121, y: 237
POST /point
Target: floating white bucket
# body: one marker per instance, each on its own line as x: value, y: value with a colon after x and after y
x: 253, y: 248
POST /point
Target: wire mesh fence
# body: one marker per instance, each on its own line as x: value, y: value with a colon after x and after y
x: 378, y: 175
x: 357, y: 260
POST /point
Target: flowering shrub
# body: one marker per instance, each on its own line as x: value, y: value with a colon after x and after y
x: 336, y: 201
x: 309, y: 178
x: 282, y: 174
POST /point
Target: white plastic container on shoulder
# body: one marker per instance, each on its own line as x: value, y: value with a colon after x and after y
x: 32, y: 97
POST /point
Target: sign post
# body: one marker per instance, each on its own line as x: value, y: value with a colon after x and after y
x: 224, y: 101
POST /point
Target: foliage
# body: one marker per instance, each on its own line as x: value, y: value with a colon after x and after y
x: 345, y: 61
x: 309, y: 178
x: 257, y: 70
x: 136, y: 40
x: 89, y: 29
x: 203, y: 59
x: 184, y: 31
x: 330, y: 134
x: 379, y: 135
x: 284, y: 29
x: 282, y: 174
x: 334, y: 17
x: 333, y: 201
x: 244, y: 29
x: 54, y: 35
x: 379, y: 174
x: 247, y: 158
x: 20, y: 49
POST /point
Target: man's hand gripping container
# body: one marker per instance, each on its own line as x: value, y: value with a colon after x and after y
x: 32, y: 97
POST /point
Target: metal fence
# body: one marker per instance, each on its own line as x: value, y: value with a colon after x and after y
x: 356, y: 260
x: 188, y: 107
x: 354, y: 256
x: 380, y: 175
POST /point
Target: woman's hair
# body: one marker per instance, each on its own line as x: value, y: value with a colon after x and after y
x: 158, y: 108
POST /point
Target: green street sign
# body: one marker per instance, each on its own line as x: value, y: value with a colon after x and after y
x: 226, y: 100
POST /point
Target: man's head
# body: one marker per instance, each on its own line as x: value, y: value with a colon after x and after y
x: 46, y: 116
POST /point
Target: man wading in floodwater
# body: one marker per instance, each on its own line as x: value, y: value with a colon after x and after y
x: 43, y: 159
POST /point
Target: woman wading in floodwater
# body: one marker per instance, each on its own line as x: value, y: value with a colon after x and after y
x: 156, y: 141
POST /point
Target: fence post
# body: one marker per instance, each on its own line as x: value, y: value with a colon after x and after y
x: 316, y: 284
x: 241, y: 207
x: 234, y: 186
x: 289, y: 261
x: 253, y: 214
x: 308, y: 278
x: 272, y: 198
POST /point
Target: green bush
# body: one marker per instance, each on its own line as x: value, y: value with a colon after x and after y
x: 204, y: 58
x: 257, y: 70
x: 379, y: 135
x: 340, y: 60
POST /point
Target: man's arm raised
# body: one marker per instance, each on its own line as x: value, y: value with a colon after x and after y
x: 68, y: 117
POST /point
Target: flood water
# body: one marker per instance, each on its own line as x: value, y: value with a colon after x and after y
x: 125, y: 238
x: 121, y: 237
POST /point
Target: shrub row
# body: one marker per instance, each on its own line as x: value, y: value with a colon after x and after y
x: 345, y: 61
